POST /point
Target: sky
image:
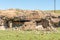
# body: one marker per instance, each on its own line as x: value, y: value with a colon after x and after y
x: 30, y: 4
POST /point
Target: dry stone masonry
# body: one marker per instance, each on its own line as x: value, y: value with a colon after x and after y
x: 28, y: 19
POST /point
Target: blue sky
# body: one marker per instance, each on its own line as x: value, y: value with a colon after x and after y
x: 30, y: 4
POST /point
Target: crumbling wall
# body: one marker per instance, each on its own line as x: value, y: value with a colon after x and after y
x: 11, y: 17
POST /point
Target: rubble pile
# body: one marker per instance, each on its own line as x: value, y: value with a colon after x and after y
x: 28, y: 19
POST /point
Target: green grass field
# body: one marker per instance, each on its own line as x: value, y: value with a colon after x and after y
x: 28, y: 35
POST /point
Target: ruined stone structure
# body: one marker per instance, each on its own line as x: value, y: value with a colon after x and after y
x: 27, y: 19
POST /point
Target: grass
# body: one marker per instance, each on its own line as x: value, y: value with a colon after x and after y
x: 56, y: 11
x: 28, y: 35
